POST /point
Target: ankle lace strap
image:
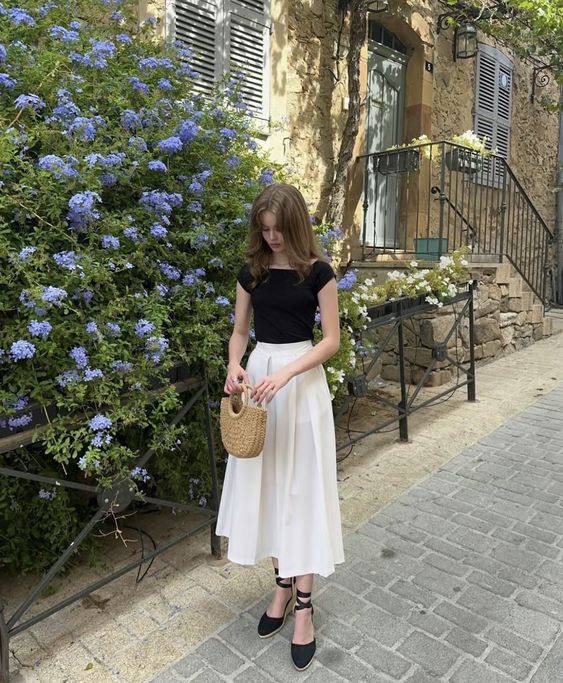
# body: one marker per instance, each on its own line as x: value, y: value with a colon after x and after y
x: 280, y: 581
x: 300, y: 604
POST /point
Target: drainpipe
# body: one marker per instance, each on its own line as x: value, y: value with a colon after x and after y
x: 559, y: 219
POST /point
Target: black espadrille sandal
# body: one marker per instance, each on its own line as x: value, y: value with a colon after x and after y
x: 302, y: 655
x: 269, y: 626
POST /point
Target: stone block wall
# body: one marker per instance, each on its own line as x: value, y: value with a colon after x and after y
x: 508, y: 317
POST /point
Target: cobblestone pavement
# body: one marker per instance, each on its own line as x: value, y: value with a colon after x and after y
x: 460, y: 579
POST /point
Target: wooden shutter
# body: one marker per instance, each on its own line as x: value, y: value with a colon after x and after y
x: 195, y: 23
x: 493, y: 107
x: 248, y: 44
x: 227, y: 36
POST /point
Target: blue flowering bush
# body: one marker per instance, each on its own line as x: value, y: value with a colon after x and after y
x: 123, y: 202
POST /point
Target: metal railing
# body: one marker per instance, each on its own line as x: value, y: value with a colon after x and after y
x: 428, y: 200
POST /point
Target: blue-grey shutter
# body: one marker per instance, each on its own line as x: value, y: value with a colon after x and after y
x: 493, y: 107
x: 248, y: 46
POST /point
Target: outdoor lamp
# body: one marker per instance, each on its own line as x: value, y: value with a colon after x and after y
x: 465, y: 41
x: 377, y: 6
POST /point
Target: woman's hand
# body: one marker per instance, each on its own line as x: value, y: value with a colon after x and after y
x: 268, y: 387
x: 235, y: 374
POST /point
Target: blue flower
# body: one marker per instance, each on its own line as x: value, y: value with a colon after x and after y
x: 85, y: 127
x: 114, y: 330
x: 228, y: 133
x: 91, y: 327
x: 100, y: 423
x: 216, y: 262
x: 233, y: 162
x: 267, y: 176
x: 58, y: 166
x: 79, y: 356
x: 121, y: 366
x: 155, y: 347
x: 157, y: 165
x: 138, y: 142
x: 170, y: 145
x: 169, y: 271
x: 110, y: 242
x: 123, y: 38
x: 140, y: 473
x: 67, y: 378
x: 32, y: 101
x: 66, y: 260
x: 144, y: 327
x: 53, y: 295
x: 196, y: 187
x: 108, y: 179
x: 26, y: 252
x: 160, y: 202
x: 82, y: 209
x: 100, y: 440
x: 47, y: 495
x: 7, y: 81
x: 117, y: 15
x: 20, y: 421
x: 22, y: 349
x: 92, y: 373
x: 19, y: 16
x: 63, y: 34
x: 158, y: 230
x: 164, y: 84
x: 222, y: 301
x: 147, y: 63
x: 132, y: 233
x: 131, y: 120
x: 348, y: 280
x: 188, y: 131
x: 39, y: 329
x: 44, y: 9
x: 3, y: 54
x: 138, y: 84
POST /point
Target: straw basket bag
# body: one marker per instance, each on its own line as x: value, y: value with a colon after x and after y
x: 243, y: 426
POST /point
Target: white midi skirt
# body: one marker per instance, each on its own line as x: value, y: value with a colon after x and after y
x: 284, y: 503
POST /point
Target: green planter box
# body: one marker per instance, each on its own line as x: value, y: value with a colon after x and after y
x: 430, y: 248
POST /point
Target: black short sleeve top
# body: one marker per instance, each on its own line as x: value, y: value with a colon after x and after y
x: 284, y: 308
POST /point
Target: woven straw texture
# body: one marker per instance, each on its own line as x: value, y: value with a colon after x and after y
x: 243, y: 426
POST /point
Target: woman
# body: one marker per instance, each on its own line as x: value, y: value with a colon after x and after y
x: 284, y: 503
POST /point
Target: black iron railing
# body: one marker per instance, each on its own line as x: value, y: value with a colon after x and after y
x: 428, y: 200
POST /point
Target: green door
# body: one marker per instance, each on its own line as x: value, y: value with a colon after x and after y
x: 385, y: 113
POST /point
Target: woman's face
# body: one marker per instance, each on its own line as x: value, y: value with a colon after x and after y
x: 272, y: 237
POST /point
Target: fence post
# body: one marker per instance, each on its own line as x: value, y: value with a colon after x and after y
x: 403, y: 414
x: 4, y: 649
x: 502, y: 211
x: 365, y: 206
x: 471, y: 394
x: 442, y: 198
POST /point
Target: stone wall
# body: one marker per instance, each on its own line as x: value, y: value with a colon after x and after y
x: 508, y: 318
x: 440, y: 105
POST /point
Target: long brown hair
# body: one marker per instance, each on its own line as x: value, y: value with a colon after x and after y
x: 292, y: 220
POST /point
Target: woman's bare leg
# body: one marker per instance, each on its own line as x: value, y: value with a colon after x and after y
x: 304, y: 632
x: 280, y: 596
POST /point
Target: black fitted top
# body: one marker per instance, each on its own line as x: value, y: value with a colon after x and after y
x: 284, y: 308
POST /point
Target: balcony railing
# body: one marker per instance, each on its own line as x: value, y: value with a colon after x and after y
x: 428, y: 200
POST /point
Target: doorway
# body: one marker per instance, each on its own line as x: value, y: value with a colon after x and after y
x: 387, y: 62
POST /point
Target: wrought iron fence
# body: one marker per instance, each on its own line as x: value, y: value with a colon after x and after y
x: 428, y: 200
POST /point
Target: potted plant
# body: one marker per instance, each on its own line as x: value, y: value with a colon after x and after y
x: 403, y: 158
x: 468, y: 158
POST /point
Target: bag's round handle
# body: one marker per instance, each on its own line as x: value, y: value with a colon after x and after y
x: 245, y: 401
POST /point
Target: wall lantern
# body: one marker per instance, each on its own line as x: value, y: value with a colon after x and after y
x: 465, y: 35
x: 465, y: 41
x: 376, y: 6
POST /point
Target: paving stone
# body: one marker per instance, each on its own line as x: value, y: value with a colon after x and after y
x: 241, y: 635
x: 168, y: 676
x: 473, y: 541
x: 532, y: 625
x: 438, y: 582
x: 420, y: 676
x: 517, y: 557
x: 461, y: 617
x: 217, y: 655
x: 474, y: 523
x: 430, y: 653
x: 552, y: 571
x: 349, y: 580
x: 189, y: 665
x: 379, y: 577
x: 350, y: 668
x: 433, y: 525
x: 415, y: 594
x: 382, y: 627
x: 252, y: 674
x: 429, y: 623
x: 445, y: 564
x: 539, y: 603
x: 390, y: 541
x: 340, y: 603
x: 550, y: 669
x: 535, y: 532
x: 383, y: 660
x: 276, y: 661
x: 474, y: 672
x: 389, y: 602
x: 466, y: 641
x: 340, y: 633
x: 492, y: 584
x: 509, y: 536
x: 542, y: 549
x: 320, y: 675
x: 510, y: 641
x: 207, y: 676
x: 509, y: 664
x: 445, y: 548
x: 493, y: 518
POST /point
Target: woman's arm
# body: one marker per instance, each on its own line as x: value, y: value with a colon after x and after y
x: 238, y: 341
x: 267, y: 388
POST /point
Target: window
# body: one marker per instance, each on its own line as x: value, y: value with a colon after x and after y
x: 227, y: 36
x: 493, y: 106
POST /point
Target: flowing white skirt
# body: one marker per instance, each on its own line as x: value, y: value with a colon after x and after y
x: 284, y: 503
